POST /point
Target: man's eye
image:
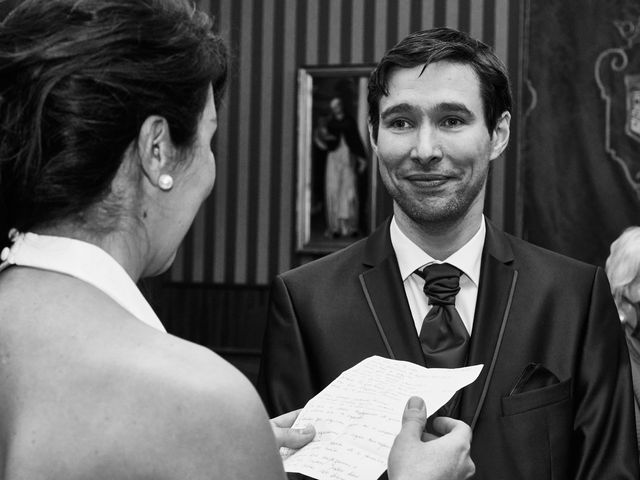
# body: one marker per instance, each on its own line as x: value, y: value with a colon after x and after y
x: 399, y: 123
x: 452, y: 122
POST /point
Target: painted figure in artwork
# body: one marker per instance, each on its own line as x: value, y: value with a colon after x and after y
x: 346, y: 158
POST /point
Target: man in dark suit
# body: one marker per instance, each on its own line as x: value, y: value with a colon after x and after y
x: 439, y: 285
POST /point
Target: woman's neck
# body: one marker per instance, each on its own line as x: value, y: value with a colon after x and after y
x: 122, y: 246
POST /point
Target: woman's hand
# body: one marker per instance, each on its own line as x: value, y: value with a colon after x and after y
x: 416, y: 455
x: 291, y: 437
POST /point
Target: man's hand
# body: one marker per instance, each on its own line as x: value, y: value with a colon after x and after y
x: 291, y: 437
x: 416, y: 455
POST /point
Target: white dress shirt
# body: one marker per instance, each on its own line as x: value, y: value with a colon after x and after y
x: 84, y: 261
x: 467, y: 259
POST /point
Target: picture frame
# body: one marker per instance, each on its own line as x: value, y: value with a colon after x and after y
x: 336, y: 167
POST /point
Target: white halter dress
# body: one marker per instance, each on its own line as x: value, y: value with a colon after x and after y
x: 84, y: 261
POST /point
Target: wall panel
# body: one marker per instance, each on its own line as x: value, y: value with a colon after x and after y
x: 244, y: 233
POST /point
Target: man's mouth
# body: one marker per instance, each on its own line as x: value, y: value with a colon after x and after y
x: 428, y: 179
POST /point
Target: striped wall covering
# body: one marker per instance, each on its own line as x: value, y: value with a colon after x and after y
x: 244, y: 234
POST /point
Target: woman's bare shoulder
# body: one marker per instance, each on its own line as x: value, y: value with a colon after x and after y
x: 212, y: 417
x: 117, y: 398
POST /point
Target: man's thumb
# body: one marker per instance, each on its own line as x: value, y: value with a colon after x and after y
x: 296, y: 437
x: 414, y: 417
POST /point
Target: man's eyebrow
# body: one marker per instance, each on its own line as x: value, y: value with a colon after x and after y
x: 398, y: 108
x: 453, y: 107
x: 440, y: 108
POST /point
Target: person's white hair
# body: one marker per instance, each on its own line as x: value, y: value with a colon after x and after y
x: 623, y: 264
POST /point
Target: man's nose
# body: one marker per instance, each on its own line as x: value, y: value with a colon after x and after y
x: 427, y: 145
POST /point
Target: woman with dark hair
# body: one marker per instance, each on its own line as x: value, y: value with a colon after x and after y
x: 107, y: 111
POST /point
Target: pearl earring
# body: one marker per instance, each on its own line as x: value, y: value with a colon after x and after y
x: 165, y: 182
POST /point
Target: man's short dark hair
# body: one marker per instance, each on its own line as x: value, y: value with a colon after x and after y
x: 429, y: 46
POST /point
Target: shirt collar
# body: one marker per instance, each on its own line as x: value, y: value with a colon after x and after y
x: 411, y: 257
x: 84, y: 261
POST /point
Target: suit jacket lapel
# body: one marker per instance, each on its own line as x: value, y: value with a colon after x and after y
x: 497, y: 283
x: 387, y: 301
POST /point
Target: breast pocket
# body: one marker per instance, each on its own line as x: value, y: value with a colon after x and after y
x: 536, y: 429
x: 534, y: 399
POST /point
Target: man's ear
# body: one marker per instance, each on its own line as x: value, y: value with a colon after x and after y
x: 374, y: 143
x: 155, y: 148
x: 500, y: 137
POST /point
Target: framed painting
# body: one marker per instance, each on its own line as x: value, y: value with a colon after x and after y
x: 337, y: 171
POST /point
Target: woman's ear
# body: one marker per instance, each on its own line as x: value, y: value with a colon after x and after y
x: 500, y: 137
x: 155, y: 150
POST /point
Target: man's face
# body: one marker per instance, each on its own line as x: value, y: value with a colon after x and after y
x: 433, y: 143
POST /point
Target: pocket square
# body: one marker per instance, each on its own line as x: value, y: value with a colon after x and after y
x: 534, y: 376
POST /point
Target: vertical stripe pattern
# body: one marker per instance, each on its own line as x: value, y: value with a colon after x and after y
x: 262, y: 161
x: 244, y: 233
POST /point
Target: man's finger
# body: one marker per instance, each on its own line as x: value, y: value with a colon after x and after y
x: 295, y: 437
x: 427, y: 437
x: 445, y: 425
x: 414, y: 417
x: 286, y: 419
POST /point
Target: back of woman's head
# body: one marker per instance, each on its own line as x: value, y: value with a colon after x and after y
x: 77, y: 80
x: 623, y: 263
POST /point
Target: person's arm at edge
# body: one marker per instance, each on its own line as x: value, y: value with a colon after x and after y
x: 604, y: 412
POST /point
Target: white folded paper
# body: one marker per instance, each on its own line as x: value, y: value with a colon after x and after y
x: 358, y: 416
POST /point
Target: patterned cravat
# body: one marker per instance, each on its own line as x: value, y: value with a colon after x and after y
x: 443, y: 336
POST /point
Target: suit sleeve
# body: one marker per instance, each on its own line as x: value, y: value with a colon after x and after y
x: 604, y: 424
x: 285, y: 380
